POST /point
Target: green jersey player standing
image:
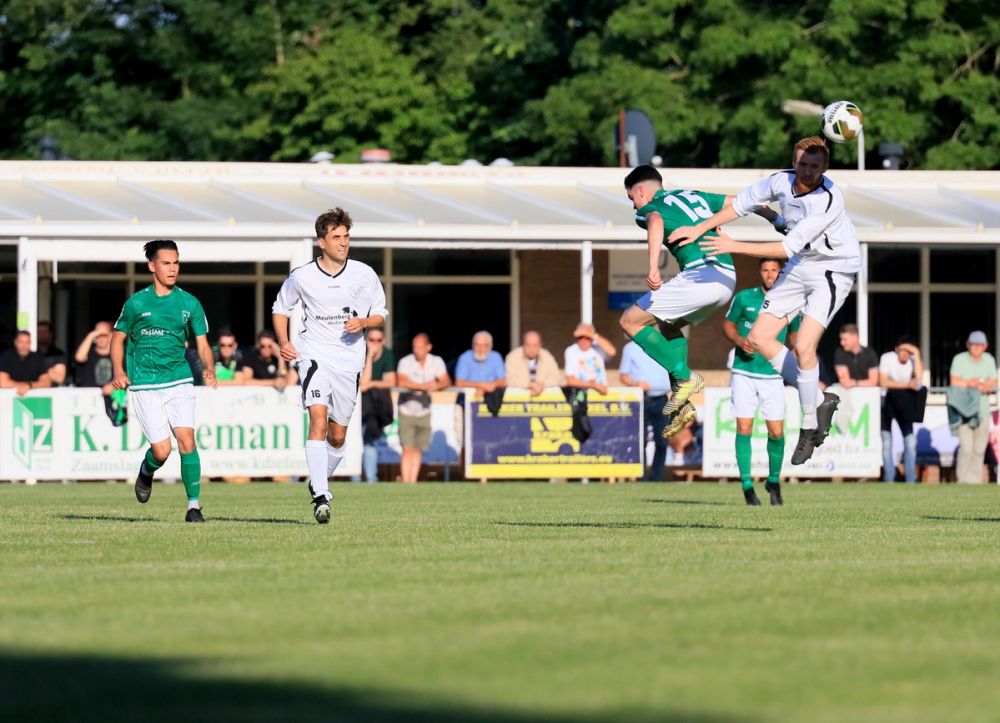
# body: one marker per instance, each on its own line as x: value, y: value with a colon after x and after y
x: 704, y: 283
x: 158, y: 322
x: 756, y: 384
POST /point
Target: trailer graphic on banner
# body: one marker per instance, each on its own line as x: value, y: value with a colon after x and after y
x: 240, y: 431
x: 853, y: 449
x: 532, y: 438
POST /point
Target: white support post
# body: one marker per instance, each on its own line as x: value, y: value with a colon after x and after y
x: 27, y: 290
x: 587, y: 282
x: 861, y: 151
x: 863, y: 297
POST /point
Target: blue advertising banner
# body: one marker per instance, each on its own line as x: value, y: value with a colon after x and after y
x: 532, y: 438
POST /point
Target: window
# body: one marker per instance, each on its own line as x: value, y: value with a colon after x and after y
x: 420, y: 262
x: 963, y: 266
x: 893, y: 264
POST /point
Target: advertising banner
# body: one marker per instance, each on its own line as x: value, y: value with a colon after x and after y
x: 240, y: 432
x: 532, y: 438
x: 853, y: 449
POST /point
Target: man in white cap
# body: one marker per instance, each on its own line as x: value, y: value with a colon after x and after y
x: 973, y: 378
x: 585, y: 359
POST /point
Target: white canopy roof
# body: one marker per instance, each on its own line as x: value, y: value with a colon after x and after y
x: 447, y: 206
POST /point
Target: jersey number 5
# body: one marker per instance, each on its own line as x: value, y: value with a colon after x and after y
x: 695, y: 207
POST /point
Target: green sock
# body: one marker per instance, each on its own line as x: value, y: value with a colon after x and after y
x: 743, y: 459
x: 150, y: 464
x: 671, y: 354
x: 191, y: 474
x: 775, y: 456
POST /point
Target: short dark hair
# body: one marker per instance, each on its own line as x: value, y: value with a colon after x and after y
x: 905, y: 339
x: 226, y: 331
x: 775, y: 259
x: 812, y: 144
x: 19, y: 332
x: 332, y: 219
x: 266, y: 334
x: 153, y: 247
x: 849, y: 329
x: 642, y: 173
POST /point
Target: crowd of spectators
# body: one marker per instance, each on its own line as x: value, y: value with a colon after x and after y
x: 483, y: 372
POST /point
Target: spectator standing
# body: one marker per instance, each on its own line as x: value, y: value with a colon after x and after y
x: 638, y: 369
x: 377, y: 380
x: 93, y: 359
x: 23, y: 369
x: 94, y: 369
x: 265, y: 367
x: 900, y: 372
x: 228, y: 360
x: 855, y: 365
x: 480, y: 367
x: 532, y: 367
x: 973, y: 378
x: 584, y: 359
x: 54, y: 356
x: 419, y: 374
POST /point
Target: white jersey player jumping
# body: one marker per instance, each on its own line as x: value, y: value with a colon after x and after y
x: 824, y: 259
x: 341, y: 298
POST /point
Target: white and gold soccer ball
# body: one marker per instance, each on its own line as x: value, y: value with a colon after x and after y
x: 842, y: 121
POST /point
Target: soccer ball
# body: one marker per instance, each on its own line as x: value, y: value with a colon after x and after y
x: 842, y: 121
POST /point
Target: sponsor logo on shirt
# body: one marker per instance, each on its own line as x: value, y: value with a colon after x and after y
x: 152, y: 332
x: 145, y: 314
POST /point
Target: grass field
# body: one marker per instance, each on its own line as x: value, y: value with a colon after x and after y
x: 501, y: 603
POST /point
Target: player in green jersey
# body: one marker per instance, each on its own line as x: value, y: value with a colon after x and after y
x: 158, y: 322
x: 705, y: 283
x: 756, y: 384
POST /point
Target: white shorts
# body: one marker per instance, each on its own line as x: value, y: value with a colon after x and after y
x: 335, y: 390
x: 160, y: 410
x: 752, y: 392
x: 813, y: 290
x: 691, y: 296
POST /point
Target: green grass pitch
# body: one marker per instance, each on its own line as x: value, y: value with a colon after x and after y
x: 501, y: 603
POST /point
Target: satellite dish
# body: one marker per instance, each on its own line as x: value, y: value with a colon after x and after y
x: 635, y: 138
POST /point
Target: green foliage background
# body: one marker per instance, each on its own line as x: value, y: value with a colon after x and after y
x: 538, y: 82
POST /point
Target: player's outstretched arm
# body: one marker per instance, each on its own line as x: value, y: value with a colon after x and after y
x: 121, y: 380
x: 208, y: 359
x: 722, y: 243
x: 689, y: 234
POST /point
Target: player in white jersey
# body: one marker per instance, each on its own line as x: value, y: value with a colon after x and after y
x: 824, y: 259
x: 341, y: 298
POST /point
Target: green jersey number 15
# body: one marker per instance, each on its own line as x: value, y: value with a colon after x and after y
x: 695, y: 208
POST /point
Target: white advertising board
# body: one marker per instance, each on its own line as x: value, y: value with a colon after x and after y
x: 241, y: 431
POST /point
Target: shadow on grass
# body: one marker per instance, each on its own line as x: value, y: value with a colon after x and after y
x: 632, y: 525
x: 107, y: 518
x: 100, y: 689
x: 961, y: 519
x: 260, y: 520
x: 245, y: 520
x: 685, y: 502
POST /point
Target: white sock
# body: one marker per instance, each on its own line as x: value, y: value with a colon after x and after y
x: 785, y: 364
x: 333, y: 457
x: 808, y: 393
x: 316, y: 462
x: 194, y: 505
